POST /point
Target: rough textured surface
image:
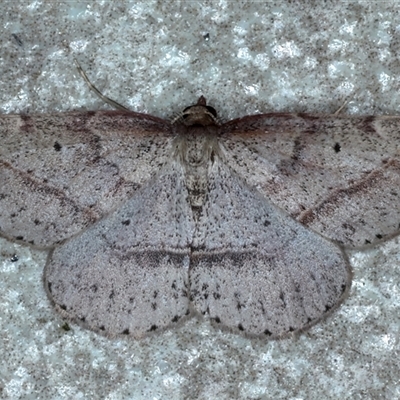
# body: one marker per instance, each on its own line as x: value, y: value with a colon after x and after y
x: 157, y: 58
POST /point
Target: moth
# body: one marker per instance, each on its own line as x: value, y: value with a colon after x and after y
x: 149, y: 222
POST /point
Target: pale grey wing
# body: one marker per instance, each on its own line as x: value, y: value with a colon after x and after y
x: 61, y: 172
x: 257, y: 270
x: 128, y: 273
x: 337, y: 175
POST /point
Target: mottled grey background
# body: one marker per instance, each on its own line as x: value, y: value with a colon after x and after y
x: 244, y: 57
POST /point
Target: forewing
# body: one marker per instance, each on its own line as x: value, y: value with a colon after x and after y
x: 59, y: 173
x: 128, y: 274
x: 255, y: 269
x: 337, y: 175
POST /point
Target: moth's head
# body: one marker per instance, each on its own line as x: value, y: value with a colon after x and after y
x: 198, y: 114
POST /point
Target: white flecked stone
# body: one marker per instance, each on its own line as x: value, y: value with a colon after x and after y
x: 245, y: 58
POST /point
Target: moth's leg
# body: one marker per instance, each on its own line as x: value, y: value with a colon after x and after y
x: 106, y: 99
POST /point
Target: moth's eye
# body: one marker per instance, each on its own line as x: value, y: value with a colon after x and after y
x: 212, y: 111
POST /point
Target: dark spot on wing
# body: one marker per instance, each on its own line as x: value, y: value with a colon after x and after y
x: 94, y: 288
x: 65, y: 326
x: 57, y: 146
x: 152, y: 328
x: 239, y: 306
x: 327, y: 308
x: 282, y: 297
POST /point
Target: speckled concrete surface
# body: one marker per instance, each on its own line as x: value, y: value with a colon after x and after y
x: 245, y: 57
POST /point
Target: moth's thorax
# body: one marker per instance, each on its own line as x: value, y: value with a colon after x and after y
x: 197, y: 147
